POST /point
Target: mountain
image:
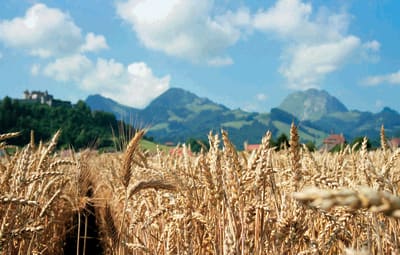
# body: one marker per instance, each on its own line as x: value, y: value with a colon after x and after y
x: 311, y: 104
x: 178, y: 105
x: 356, y: 123
x: 318, y: 109
x: 177, y: 115
x: 100, y: 103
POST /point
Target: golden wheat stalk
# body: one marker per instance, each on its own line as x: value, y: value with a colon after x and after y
x: 46, y: 153
x: 9, y: 135
x: 294, y: 143
x: 383, y: 139
x: 150, y: 184
x: 17, y: 200
x: 128, y: 158
x: 362, y: 198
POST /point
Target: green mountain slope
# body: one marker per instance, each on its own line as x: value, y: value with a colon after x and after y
x: 100, y: 103
x: 355, y: 123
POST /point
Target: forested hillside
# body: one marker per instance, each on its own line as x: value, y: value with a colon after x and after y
x: 80, y: 126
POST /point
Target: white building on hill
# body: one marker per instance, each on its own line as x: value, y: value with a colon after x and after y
x: 38, y: 96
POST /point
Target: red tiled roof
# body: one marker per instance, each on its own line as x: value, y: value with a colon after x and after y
x: 252, y: 147
x: 334, y: 139
x: 395, y: 142
x: 179, y: 151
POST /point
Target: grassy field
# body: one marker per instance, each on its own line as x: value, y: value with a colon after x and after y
x: 152, y: 147
x: 222, y: 201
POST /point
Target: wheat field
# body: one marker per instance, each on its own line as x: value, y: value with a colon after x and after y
x: 223, y: 201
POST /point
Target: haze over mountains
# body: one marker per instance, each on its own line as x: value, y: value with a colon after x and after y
x: 177, y: 115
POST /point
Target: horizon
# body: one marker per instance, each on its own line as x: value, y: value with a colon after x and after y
x: 142, y: 108
x: 132, y: 51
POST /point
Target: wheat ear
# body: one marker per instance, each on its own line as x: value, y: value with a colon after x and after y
x: 362, y: 198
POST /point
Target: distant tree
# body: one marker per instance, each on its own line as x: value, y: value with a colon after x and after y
x: 80, y: 127
x: 359, y: 141
x: 7, y: 118
x: 149, y: 138
x: 338, y: 147
x: 282, y: 141
x: 196, y: 144
x: 311, y: 146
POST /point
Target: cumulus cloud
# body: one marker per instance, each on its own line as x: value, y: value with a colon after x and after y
x: 184, y: 28
x: 70, y: 68
x: 315, y: 44
x: 46, y: 32
x: 134, y: 85
x: 284, y: 18
x: 94, y: 43
x: 391, y: 78
x: 307, y: 65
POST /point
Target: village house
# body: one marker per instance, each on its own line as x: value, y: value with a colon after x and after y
x: 394, y: 143
x: 250, y: 147
x: 332, y: 140
x: 179, y: 151
x: 170, y: 144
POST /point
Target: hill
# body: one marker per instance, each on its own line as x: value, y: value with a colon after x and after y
x: 81, y: 128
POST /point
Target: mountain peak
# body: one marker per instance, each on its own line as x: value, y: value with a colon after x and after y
x: 311, y: 104
x: 173, y: 97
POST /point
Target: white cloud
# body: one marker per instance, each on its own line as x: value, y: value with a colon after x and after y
x: 291, y: 20
x: 308, y: 64
x: 370, y: 51
x: 372, y: 45
x: 392, y: 78
x: 35, y: 69
x: 220, y: 61
x: 42, y: 31
x: 261, y: 97
x: 314, y: 44
x: 184, y: 28
x: 284, y: 18
x: 46, y: 32
x: 71, y: 68
x: 94, y: 43
x: 134, y: 85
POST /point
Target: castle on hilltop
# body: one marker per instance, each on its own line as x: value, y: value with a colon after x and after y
x: 38, y: 96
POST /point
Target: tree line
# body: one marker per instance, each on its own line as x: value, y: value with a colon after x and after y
x: 81, y: 128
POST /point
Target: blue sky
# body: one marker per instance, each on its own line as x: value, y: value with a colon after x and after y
x: 244, y: 54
